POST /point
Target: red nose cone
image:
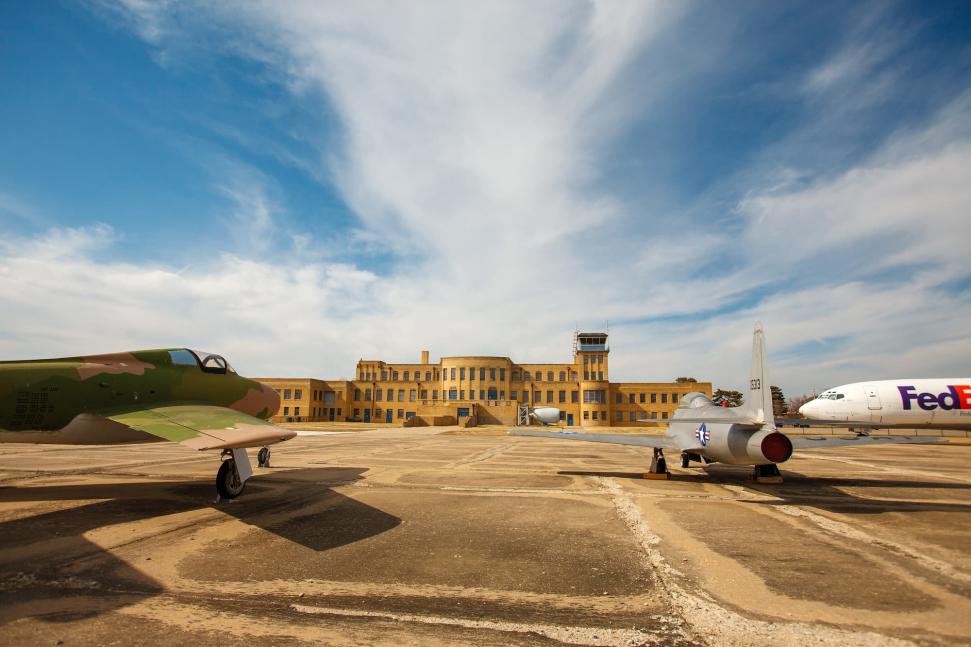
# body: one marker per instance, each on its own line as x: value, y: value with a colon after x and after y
x: 776, y: 447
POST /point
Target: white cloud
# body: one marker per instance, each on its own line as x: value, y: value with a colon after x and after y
x: 472, y: 138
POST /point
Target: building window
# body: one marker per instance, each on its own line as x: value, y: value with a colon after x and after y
x: 549, y: 376
x: 362, y: 376
x: 664, y: 398
x: 664, y: 415
x: 633, y: 416
x: 549, y: 397
x: 384, y: 376
x: 502, y: 395
x: 525, y: 375
x: 378, y: 395
x: 434, y: 395
x: 453, y: 373
x: 600, y: 358
x: 574, y: 398
x: 286, y: 411
x: 401, y: 413
x: 586, y: 360
x: 654, y: 398
x: 482, y: 394
x: 586, y: 375
x: 594, y: 397
x: 424, y: 394
x: 526, y: 396
x: 462, y: 373
x: 595, y: 414
x: 574, y: 374
x: 367, y: 395
x: 462, y: 394
x: 412, y: 395
x: 286, y: 394
x: 453, y: 394
x: 482, y: 373
x: 502, y: 374
x: 620, y: 416
x: 537, y: 397
x: 357, y: 413
x: 394, y: 376
x: 492, y: 373
x: 513, y: 394
x: 562, y: 396
x: 619, y: 398
x: 674, y: 398
x: 472, y: 394
x: 401, y: 395
x: 339, y: 411
x: 586, y: 415
x: 562, y: 416
x: 357, y: 395
x: 377, y: 412
x: 562, y: 376
x: 406, y: 375
x: 428, y: 376
x: 492, y: 393
x: 515, y: 377
x: 600, y: 375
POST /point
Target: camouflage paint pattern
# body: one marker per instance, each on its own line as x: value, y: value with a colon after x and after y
x: 38, y: 396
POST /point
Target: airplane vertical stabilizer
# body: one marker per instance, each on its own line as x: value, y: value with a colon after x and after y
x: 758, y: 402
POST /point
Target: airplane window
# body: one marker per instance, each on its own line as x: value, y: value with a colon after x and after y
x: 840, y: 396
x: 182, y: 357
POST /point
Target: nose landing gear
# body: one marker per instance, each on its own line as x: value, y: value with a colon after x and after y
x: 233, y: 472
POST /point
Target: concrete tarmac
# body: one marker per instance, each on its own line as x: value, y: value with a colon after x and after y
x: 432, y: 537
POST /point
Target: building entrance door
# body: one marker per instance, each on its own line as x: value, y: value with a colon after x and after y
x: 367, y: 415
x: 387, y: 415
x: 569, y: 420
x: 330, y: 415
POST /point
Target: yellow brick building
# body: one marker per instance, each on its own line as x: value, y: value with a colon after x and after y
x: 483, y: 390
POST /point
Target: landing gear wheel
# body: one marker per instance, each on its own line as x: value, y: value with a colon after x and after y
x: 228, y: 483
x: 263, y: 457
x: 685, y: 461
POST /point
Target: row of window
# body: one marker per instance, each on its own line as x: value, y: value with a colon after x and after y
x: 619, y: 398
x: 365, y: 376
x: 593, y: 375
x: 316, y: 396
x: 593, y: 359
x: 381, y: 415
x: 472, y: 372
x: 314, y: 411
x: 633, y: 416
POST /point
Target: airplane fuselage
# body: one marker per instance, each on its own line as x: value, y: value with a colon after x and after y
x: 54, y: 401
x: 943, y: 402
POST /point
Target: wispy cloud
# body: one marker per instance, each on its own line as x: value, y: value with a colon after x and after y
x: 472, y: 146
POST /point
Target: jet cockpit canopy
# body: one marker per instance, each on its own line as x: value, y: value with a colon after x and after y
x: 208, y: 362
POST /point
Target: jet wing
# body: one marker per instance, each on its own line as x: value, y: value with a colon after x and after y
x: 201, y: 426
x: 808, y: 442
x: 859, y: 424
x: 664, y: 442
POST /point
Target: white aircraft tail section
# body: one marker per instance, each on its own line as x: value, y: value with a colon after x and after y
x: 758, y: 402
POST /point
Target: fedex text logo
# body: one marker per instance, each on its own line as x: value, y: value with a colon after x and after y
x: 957, y: 396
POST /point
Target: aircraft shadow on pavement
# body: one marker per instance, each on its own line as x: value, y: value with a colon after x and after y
x: 828, y: 493
x: 296, y: 504
x: 820, y: 492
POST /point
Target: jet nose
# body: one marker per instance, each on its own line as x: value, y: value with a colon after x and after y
x: 808, y: 409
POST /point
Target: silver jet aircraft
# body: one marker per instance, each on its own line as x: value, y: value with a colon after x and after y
x: 704, y: 432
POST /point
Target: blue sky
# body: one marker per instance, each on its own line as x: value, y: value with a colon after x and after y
x: 302, y: 185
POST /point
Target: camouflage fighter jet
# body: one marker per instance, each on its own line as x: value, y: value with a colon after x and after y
x: 179, y: 395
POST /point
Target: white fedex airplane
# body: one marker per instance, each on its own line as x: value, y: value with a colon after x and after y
x: 906, y: 403
x: 704, y: 432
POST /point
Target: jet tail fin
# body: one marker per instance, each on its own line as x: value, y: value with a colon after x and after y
x: 758, y: 403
